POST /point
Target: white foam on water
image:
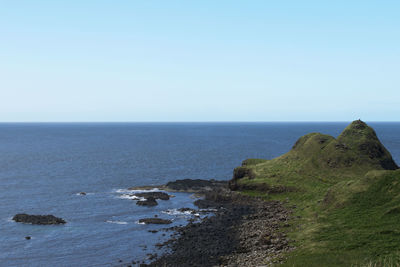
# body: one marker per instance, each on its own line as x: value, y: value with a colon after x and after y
x: 127, y: 191
x: 177, y: 212
x: 131, y: 197
x: 137, y: 222
x: 116, y: 222
x: 208, y: 210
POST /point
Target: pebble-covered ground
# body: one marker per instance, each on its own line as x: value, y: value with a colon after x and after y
x: 245, y: 231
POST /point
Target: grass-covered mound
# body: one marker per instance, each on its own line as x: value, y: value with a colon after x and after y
x: 346, y: 192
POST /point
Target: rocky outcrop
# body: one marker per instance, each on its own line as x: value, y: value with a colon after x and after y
x: 239, y: 173
x: 194, y: 185
x: 150, y: 201
x: 155, y: 221
x: 185, y: 185
x: 155, y: 195
x: 38, y: 219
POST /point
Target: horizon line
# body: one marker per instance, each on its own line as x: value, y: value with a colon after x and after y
x: 110, y: 122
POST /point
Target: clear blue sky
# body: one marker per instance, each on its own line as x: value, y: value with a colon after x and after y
x: 202, y: 60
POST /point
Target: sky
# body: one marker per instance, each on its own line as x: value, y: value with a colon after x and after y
x: 208, y: 60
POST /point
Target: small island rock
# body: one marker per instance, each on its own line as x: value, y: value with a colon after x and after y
x: 38, y: 219
x: 151, y: 201
x: 156, y: 195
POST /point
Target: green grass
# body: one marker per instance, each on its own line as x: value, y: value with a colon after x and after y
x: 347, y: 198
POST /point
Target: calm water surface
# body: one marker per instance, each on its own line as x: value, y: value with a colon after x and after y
x: 44, y: 166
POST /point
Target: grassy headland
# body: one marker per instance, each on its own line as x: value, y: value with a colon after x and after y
x: 345, y: 193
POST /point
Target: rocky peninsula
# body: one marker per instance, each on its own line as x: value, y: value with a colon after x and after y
x: 326, y: 202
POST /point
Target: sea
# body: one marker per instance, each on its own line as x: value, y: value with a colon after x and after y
x: 44, y: 167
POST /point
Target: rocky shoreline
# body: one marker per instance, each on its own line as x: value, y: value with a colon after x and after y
x: 244, y: 231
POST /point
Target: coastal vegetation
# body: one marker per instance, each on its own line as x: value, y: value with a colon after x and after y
x: 345, y: 195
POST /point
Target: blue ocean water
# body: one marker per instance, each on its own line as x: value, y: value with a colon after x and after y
x: 44, y: 166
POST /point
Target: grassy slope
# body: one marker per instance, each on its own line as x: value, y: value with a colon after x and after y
x: 347, y: 203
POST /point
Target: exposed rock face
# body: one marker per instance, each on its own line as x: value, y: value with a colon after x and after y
x: 155, y: 221
x: 238, y: 173
x: 150, y: 201
x: 38, y: 219
x: 155, y: 195
x: 241, y: 172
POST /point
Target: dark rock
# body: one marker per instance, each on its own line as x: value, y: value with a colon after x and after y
x: 151, y: 256
x: 195, y: 185
x: 82, y: 193
x: 38, y: 219
x: 27, y: 237
x: 155, y: 221
x: 239, y: 173
x: 156, y: 195
x: 231, y: 237
x: 205, y: 204
x: 151, y: 201
x: 192, y: 211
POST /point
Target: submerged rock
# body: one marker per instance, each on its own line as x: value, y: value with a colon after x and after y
x: 151, y: 201
x: 38, y: 219
x: 155, y: 221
